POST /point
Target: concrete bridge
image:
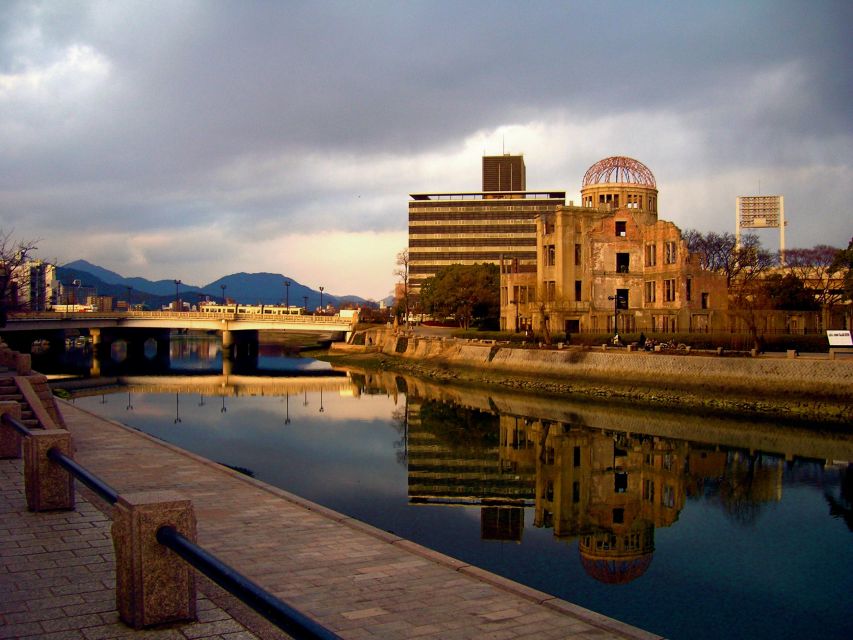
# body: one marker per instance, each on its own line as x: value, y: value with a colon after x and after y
x: 200, y: 320
x: 237, y: 327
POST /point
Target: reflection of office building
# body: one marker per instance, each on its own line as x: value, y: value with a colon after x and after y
x: 453, y: 458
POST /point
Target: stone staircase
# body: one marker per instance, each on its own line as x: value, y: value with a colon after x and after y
x: 9, y: 393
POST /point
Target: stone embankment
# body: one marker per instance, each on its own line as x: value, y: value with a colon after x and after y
x: 802, y: 387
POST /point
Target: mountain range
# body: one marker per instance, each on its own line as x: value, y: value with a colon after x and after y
x: 243, y: 288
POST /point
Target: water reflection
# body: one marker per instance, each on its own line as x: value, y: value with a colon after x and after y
x: 610, y: 490
x: 680, y: 524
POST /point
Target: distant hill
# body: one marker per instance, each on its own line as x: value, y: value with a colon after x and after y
x: 244, y: 288
x: 156, y: 287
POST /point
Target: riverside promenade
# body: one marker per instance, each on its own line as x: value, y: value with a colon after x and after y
x: 361, y: 582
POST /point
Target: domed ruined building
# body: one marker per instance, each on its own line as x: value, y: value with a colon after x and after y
x: 611, y: 266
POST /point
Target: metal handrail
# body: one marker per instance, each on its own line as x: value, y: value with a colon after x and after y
x: 84, y: 475
x: 285, y: 617
x: 16, y: 424
x: 293, y: 622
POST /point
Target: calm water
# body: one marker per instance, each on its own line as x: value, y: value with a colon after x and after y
x: 686, y: 526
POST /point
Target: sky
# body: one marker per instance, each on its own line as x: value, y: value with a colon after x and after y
x: 191, y: 140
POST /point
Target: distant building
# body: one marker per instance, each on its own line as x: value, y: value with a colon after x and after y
x: 32, y: 286
x: 100, y: 303
x: 611, y: 265
x: 475, y: 227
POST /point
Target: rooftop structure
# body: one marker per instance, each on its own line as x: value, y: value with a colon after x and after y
x: 504, y: 173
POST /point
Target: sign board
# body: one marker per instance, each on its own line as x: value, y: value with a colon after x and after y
x: 839, y: 339
x: 760, y: 212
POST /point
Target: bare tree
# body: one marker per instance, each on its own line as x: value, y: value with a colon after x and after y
x: 720, y: 252
x: 13, y: 254
x: 402, y: 272
x: 744, y: 267
x: 816, y: 267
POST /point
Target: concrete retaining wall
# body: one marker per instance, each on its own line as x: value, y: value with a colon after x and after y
x: 819, y: 376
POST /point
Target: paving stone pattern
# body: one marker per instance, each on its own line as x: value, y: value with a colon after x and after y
x: 57, y: 576
x: 354, y: 579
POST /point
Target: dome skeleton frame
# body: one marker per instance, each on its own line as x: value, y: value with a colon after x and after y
x: 619, y: 169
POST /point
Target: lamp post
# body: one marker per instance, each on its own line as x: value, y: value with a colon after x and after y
x: 287, y: 294
x: 223, y: 287
x: 321, y: 299
x: 178, y: 283
x: 616, y: 300
x: 130, y: 298
x: 305, y: 303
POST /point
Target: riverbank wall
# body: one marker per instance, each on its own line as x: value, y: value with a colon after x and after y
x: 812, y: 387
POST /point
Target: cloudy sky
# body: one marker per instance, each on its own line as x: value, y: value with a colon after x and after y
x: 190, y: 139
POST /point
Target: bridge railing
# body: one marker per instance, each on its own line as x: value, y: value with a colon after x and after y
x: 183, y: 315
x: 49, y: 472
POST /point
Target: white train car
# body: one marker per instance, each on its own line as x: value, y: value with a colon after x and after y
x: 249, y: 309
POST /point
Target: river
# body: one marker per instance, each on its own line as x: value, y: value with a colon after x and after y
x: 684, y: 525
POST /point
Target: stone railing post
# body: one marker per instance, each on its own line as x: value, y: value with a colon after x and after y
x: 153, y: 584
x: 23, y: 364
x: 10, y: 439
x: 47, y: 485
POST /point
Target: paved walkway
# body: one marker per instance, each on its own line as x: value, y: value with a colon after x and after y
x: 57, y: 576
x: 358, y: 581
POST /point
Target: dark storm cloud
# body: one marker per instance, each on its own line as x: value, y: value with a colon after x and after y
x: 132, y: 115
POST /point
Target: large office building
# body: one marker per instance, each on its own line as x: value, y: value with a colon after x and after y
x: 497, y: 224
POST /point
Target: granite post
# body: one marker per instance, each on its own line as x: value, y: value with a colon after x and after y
x: 48, y: 486
x: 10, y: 439
x: 153, y: 584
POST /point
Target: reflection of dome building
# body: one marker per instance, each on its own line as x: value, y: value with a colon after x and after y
x: 618, y: 558
x: 620, y: 182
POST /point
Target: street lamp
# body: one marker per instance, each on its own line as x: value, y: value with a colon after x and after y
x: 130, y: 298
x: 321, y: 299
x: 616, y: 300
x: 515, y: 302
x: 305, y: 305
x: 178, y: 283
x: 223, y: 287
x: 287, y: 293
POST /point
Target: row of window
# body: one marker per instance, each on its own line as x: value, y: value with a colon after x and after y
x: 472, y: 242
x: 495, y: 206
x: 623, y: 259
x: 669, y: 289
x: 634, y: 201
x: 508, y: 229
x: 670, y: 253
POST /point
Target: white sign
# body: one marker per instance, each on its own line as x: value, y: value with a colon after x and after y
x: 839, y: 339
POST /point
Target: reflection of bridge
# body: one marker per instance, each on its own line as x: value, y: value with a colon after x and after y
x: 216, y: 385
